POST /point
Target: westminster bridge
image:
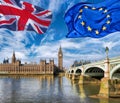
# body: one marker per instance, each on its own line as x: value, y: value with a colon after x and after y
x: 106, y: 72
x: 98, y: 69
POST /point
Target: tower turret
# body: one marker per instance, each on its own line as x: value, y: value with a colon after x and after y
x: 13, y: 57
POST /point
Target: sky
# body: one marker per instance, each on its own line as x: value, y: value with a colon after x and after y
x: 31, y: 47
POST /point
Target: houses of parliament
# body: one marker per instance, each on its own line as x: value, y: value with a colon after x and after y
x: 16, y: 67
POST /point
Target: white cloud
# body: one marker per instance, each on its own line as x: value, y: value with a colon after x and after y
x: 110, y: 44
x: 49, y: 36
x: 112, y: 40
x: 74, y: 49
x: 69, y: 58
x: 67, y: 43
x: 34, y: 2
x: 50, y: 50
x: 55, y: 5
x: 73, y: 2
x: 11, y: 41
x: 20, y: 55
x: 86, y: 48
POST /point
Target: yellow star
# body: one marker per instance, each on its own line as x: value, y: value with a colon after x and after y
x: 79, y: 17
x: 86, y: 7
x: 89, y: 28
x: 104, y: 28
x: 105, y: 11
x: 93, y: 8
x: 108, y: 22
x: 97, y: 32
x: 108, y: 16
x: 82, y: 23
x: 100, y: 9
x: 81, y: 11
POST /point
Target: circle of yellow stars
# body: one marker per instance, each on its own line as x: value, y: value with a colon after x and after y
x: 88, y: 27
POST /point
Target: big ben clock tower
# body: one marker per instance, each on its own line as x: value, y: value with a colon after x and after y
x: 60, y: 59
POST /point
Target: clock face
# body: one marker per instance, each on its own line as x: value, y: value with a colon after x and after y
x: 60, y: 55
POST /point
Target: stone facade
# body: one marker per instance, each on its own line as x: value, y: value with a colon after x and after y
x: 16, y: 67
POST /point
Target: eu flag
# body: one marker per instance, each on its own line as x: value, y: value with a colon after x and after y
x: 93, y: 20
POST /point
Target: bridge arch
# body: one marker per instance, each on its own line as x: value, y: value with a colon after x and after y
x: 98, y: 66
x: 78, y: 71
x: 95, y: 72
x: 115, y: 72
x: 72, y: 71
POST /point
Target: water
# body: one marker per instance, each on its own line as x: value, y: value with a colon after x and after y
x: 47, y: 89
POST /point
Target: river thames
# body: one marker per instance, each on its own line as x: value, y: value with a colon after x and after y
x: 47, y: 89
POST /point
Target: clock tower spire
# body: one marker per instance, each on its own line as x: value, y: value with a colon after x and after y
x: 60, y: 59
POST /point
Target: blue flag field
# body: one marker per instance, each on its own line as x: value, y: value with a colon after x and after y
x: 93, y: 20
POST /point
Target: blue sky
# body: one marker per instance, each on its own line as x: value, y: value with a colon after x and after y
x: 31, y: 47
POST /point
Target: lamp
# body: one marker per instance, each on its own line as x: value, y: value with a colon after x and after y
x: 107, y: 50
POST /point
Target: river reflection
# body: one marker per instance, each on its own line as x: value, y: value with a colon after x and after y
x: 47, y: 89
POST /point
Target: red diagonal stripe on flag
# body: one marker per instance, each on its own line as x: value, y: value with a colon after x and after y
x: 7, y: 21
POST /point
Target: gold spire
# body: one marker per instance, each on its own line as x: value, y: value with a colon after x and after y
x: 13, y: 57
x: 13, y: 53
x: 60, y: 50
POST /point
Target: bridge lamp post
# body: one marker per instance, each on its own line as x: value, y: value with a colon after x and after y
x: 107, y: 50
x: 107, y: 67
x: 105, y: 83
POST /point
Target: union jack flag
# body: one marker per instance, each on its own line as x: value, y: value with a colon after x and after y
x: 18, y: 16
